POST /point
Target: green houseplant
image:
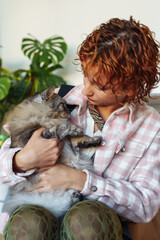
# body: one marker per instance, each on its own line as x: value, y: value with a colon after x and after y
x: 45, y: 59
x: 6, y: 80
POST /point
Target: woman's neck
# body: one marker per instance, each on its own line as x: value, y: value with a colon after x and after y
x: 106, y: 111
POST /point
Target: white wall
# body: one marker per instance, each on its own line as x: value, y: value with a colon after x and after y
x: 71, y: 19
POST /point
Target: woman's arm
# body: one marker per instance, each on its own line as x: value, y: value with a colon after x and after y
x: 37, y: 153
x: 16, y: 163
x: 136, y: 198
x: 6, y: 171
x: 59, y: 177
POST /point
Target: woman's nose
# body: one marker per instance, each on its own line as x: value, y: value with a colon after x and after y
x: 87, y: 90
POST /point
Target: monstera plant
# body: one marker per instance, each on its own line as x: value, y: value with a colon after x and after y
x: 45, y: 59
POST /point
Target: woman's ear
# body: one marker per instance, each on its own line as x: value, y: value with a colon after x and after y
x: 129, y: 92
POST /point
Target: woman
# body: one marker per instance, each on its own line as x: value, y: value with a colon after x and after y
x: 119, y: 60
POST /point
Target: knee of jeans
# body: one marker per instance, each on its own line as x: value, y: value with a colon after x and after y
x: 28, y: 214
x: 91, y: 217
x: 30, y: 220
x: 91, y: 207
x: 91, y: 211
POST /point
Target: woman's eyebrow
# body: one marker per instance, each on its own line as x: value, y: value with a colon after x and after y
x: 94, y: 82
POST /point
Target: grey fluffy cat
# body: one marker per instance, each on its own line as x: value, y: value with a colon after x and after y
x: 49, y: 110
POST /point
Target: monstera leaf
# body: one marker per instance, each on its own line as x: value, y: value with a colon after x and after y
x: 45, y: 58
x: 51, y: 51
x: 5, y: 84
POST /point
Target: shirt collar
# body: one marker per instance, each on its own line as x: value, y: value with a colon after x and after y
x: 127, y: 108
x: 76, y: 97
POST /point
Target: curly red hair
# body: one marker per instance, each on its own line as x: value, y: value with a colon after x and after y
x: 125, y: 51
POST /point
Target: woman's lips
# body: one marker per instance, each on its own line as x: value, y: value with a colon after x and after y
x: 91, y: 100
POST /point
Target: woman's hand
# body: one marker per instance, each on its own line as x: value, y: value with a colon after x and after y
x: 37, y: 153
x: 60, y: 177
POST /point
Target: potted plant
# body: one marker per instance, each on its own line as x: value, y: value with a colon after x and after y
x: 45, y: 59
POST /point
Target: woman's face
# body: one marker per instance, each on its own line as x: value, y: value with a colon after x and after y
x: 99, y: 97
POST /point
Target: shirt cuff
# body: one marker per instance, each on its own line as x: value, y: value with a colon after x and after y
x: 94, y: 185
x: 8, y: 176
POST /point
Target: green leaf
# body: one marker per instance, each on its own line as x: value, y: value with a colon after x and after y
x: 59, y: 55
x: 45, y: 58
x: 53, y: 59
x: 18, y: 72
x: 28, y: 40
x: 63, y: 47
x: 55, y: 80
x: 29, y: 51
x: 56, y: 38
x: 5, y: 84
x: 4, y: 71
x: 51, y: 69
x: 51, y: 50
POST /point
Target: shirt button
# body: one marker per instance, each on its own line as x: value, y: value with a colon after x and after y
x: 94, y: 188
x: 103, y: 143
x: 123, y: 149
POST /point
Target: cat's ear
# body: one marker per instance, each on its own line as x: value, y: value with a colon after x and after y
x: 50, y: 94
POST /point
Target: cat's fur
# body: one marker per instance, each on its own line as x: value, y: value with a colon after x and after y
x: 49, y: 110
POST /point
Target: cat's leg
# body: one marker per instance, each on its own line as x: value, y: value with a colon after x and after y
x: 85, y: 141
x: 69, y: 130
x: 63, y: 130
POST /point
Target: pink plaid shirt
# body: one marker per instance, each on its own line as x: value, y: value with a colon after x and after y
x: 127, y: 165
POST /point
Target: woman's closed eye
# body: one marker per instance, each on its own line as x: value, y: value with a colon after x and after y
x: 94, y: 83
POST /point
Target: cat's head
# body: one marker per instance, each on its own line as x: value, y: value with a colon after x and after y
x: 52, y: 100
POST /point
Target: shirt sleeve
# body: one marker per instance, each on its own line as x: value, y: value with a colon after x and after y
x: 6, y: 170
x: 135, y: 198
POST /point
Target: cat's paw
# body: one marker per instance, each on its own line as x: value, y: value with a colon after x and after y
x: 75, y: 131
x: 47, y: 134
x: 75, y: 197
x: 97, y: 140
x: 69, y: 130
x: 90, y: 142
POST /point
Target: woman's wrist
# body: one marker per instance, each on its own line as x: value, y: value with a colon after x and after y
x: 19, y: 163
x: 16, y: 167
x: 79, y: 180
